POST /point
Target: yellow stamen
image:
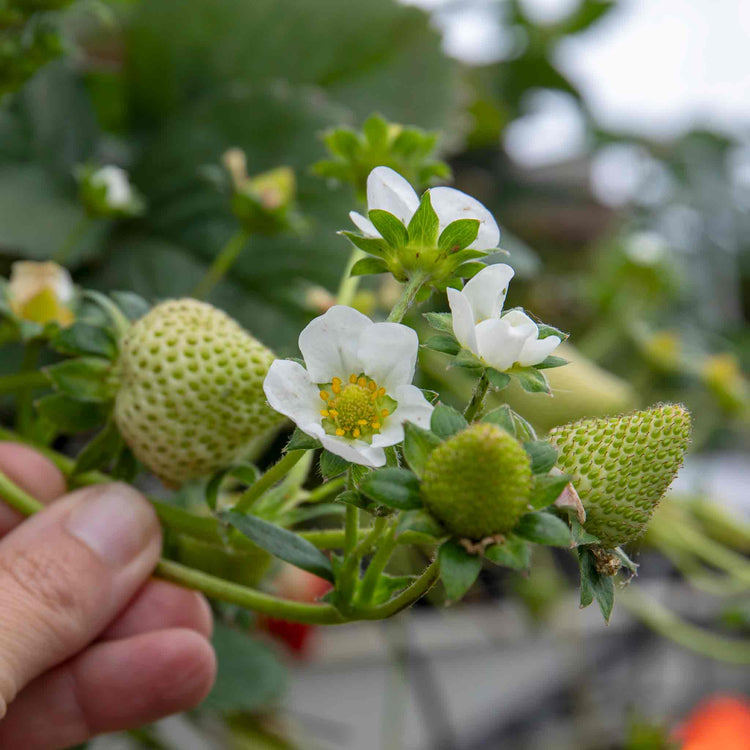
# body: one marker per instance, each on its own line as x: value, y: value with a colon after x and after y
x: 384, y: 412
x: 352, y: 378
x: 325, y: 395
x: 333, y: 413
x: 375, y: 425
x: 362, y: 382
x: 356, y: 432
x: 381, y: 392
x: 340, y: 432
x: 372, y: 385
x: 336, y: 385
x: 324, y: 413
x: 362, y: 422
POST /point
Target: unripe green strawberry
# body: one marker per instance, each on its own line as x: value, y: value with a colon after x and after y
x: 478, y: 482
x: 190, y: 398
x: 622, y: 466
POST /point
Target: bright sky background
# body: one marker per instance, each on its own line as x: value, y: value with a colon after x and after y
x: 654, y: 67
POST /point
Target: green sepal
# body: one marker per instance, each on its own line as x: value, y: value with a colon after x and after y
x: 511, y: 422
x: 393, y: 231
x: 126, y: 466
x: 469, y: 270
x: 545, y: 331
x: 544, y: 528
x: 458, y: 569
x: 420, y: 522
x: 513, y: 553
x: 547, y: 488
x: 498, y: 380
x: 375, y: 130
x: 594, y: 585
x: 468, y: 361
x: 418, y: 444
x: 69, y: 415
x: 446, y: 421
x: 458, y: 235
x: 83, y: 378
x: 388, y: 585
x: 301, y: 441
x: 132, y: 305
x: 393, y: 487
x: 100, y: 451
x: 284, y: 544
x: 332, y: 465
x: 532, y: 380
x: 352, y: 497
x: 371, y: 245
x: 444, y: 344
x: 342, y: 142
x: 442, y: 322
x: 424, y: 225
x: 247, y: 474
x: 367, y: 266
x: 85, y: 339
x: 579, y: 534
x: 543, y: 455
x: 550, y: 362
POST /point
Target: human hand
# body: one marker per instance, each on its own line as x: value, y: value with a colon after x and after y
x: 88, y: 644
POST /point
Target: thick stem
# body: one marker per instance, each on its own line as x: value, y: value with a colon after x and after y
x: 406, y: 300
x: 221, y: 265
x: 477, y: 399
x: 74, y: 237
x: 275, y: 474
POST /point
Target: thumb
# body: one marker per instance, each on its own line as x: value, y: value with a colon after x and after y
x: 64, y: 575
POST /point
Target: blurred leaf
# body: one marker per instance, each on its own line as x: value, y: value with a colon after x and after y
x: 458, y: 569
x: 393, y: 487
x: 594, y: 585
x: 418, y: 444
x: 544, y: 528
x: 100, y: 451
x: 512, y: 553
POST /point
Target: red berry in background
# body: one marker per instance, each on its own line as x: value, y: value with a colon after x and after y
x: 719, y: 723
x: 300, y: 586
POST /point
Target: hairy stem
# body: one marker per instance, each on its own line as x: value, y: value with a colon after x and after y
x: 275, y: 474
x: 377, y: 566
x: 406, y: 300
x: 223, y: 262
x: 477, y: 399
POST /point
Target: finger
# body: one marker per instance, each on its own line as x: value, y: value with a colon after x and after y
x: 31, y: 471
x: 110, y: 687
x: 160, y: 605
x: 65, y: 573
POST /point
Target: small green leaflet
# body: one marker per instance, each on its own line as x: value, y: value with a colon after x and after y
x: 392, y: 230
x: 393, y: 487
x: 543, y: 455
x: 547, y: 488
x: 366, y: 266
x: 544, y: 528
x: 458, y: 235
x: 84, y: 338
x: 531, y: 380
x: 302, y: 441
x: 512, y: 553
x: 424, y: 225
x: 444, y: 344
x: 418, y: 444
x: 246, y: 473
x: 101, y: 450
x: 498, y: 380
x: 442, y: 322
x: 446, y: 421
x: 84, y: 378
x: 594, y: 585
x: 458, y: 569
x: 332, y: 465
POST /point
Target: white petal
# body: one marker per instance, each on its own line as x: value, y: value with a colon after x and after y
x: 499, y: 343
x: 537, y: 350
x: 388, y: 353
x: 363, y: 224
x: 412, y: 406
x: 389, y: 191
x: 522, y: 323
x: 356, y: 451
x: 487, y: 290
x: 451, y: 204
x: 463, y: 319
x: 329, y: 344
x: 290, y: 392
x: 117, y: 184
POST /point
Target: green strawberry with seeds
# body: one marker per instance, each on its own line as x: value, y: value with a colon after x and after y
x: 622, y: 466
x: 190, y: 397
x: 478, y: 482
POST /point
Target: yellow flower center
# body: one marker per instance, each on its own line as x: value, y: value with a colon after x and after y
x: 355, y: 409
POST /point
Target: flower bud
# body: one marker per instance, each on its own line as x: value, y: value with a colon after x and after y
x: 41, y: 293
x: 478, y: 482
x: 622, y: 466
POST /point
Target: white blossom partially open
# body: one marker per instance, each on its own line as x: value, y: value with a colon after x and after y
x: 119, y: 192
x: 500, y: 341
x: 389, y: 191
x: 41, y: 292
x: 356, y: 391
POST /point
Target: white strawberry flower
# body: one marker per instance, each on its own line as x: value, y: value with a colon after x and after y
x: 118, y: 190
x: 499, y: 341
x: 356, y: 391
x: 41, y: 292
x: 387, y: 190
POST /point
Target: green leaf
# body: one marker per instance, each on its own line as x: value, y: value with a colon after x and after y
x: 366, y: 266
x: 421, y: 522
x: 247, y: 474
x: 250, y: 675
x: 375, y: 129
x: 69, y: 415
x: 393, y: 231
x: 531, y: 380
x: 359, y: 472
x: 458, y: 235
x: 393, y: 487
x: 100, y: 451
x: 544, y: 528
x: 126, y: 466
x: 543, y: 455
x: 551, y: 362
x: 84, y: 378
x: 547, y: 488
x: 301, y: 441
x: 132, y: 305
x: 468, y: 270
x: 332, y: 465
x: 424, y: 225
x: 418, y: 444
x: 458, y: 569
x: 387, y: 586
x: 281, y: 543
x: 497, y: 379
x: 352, y: 497
x: 502, y: 417
x: 594, y: 585
x: 468, y: 361
x: 84, y: 338
x: 371, y: 245
x: 546, y: 331
x: 513, y: 553
x: 442, y: 322
x: 444, y: 344
x: 579, y: 534
x: 446, y: 421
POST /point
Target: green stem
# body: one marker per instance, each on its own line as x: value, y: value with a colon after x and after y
x: 406, y: 300
x: 74, y: 236
x: 377, y: 566
x: 477, y: 398
x: 325, y: 490
x: 349, y: 284
x: 17, y: 498
x: 24, y: 402
x: 406, y: 598
x: 275, y: 474
x: 222, y: 264
x: 22, y: 380
x: 667, y: 624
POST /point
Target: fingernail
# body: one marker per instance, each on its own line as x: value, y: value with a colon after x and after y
x: 115, y: 522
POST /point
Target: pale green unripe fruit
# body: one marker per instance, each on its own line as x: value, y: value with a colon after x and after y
x: 622, y: 466
x: 190, y: 399
x: 478, y: 482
